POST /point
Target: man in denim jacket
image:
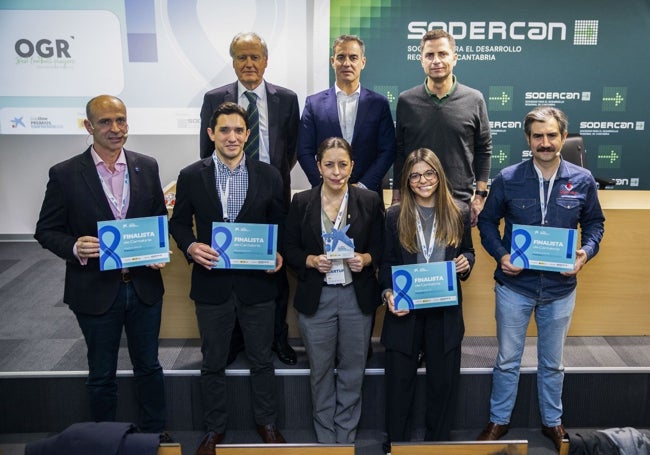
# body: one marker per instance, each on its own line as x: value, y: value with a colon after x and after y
x: 542, y: 191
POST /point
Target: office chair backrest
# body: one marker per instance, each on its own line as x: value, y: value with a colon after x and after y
x: 574, y: 150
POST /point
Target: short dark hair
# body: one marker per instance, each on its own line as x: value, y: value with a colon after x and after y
x: 438, y: 33
x: 345, y: 38
x: 228, y: 108
x: 333, y: 143
x: 543, y: 114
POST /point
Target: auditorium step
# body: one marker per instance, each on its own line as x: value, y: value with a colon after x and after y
x: 49, y: 401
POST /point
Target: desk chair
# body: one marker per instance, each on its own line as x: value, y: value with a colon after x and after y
x: 574, y: 152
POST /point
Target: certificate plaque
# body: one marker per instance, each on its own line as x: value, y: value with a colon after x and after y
x: 425, y: 285
x: 543, y: 248
x: 245, y: 245
x: 133, y: 242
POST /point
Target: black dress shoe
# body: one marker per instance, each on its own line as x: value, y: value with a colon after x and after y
x: 285, y: 353
x: 555, y: 434
x: 211, y: 439
x: 166, y: 438
x: 493, y: 431
x: 270, y: 434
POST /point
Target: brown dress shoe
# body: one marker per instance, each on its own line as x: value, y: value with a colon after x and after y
x: 270, y: 434
x: 211, y: 438
x: 555, y: 434
x: 493, y: 431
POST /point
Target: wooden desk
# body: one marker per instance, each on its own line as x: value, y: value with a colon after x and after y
x: 613, y: 289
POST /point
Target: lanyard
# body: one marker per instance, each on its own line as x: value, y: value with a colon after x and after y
x: 427, y: 250
x: 544, y: 198
x: 223, y: 193
x: 339, y: 217
x: 109, y: 193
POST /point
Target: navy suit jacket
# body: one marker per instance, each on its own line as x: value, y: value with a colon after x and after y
x: 74, y: 202
x: 283, y: 115
x: 303, y: 237
x: 198, y: 204
x: 373, y: 140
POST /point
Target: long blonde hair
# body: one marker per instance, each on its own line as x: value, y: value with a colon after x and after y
x: 449, y: 221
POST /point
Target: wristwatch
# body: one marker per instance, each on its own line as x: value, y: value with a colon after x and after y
x: 482, y: 193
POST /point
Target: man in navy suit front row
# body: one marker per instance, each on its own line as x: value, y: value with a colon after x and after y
x: 108, y: 182
x: 230, y: 187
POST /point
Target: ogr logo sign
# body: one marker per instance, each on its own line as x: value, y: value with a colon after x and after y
x: 44, y: 48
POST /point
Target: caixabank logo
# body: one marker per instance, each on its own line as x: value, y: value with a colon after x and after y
x: 614, y: 99
x: 500, y: 98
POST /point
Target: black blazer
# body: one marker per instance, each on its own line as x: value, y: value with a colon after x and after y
x: 74, y: 202
x: 397, y: 332
x: 303, y: 237
x: 197, y: 203
x: 284, y: 117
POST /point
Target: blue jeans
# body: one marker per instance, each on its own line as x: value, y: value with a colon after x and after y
x: 102, y: 334
x: 553, y: 318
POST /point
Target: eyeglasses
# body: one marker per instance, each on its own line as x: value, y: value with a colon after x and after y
x: 415, y: 177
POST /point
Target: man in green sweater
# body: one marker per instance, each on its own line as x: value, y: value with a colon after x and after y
x: 449, y: 118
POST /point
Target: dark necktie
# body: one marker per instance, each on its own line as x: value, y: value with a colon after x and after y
x: 252, y: 146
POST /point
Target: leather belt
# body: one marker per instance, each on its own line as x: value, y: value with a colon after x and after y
x: 125, y: 277
x: 339, y: 285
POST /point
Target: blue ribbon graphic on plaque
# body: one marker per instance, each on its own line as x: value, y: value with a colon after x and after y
x: 572, y: 241
x: 248, y: 246
x: 451, y: 276
x: 425, y: 285
x: 133, y: 242
x: 519, y: 251
x: 109, y: 250
x: 543, y: 248
x: 401, y: 292
x: 221, y: 247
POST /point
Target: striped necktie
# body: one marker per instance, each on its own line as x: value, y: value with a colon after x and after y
x: 252, y: 146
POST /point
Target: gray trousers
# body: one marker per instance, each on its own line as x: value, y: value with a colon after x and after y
x: 337, y: 331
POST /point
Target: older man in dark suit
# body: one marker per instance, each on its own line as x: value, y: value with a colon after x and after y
x: 279, y: 115
x: 229, y: 186
x: 107, y: 182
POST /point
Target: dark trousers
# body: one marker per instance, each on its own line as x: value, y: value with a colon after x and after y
x: 216, y: 324
x: 280, y: 326
x: 442, y: 377
x: 102, y: 334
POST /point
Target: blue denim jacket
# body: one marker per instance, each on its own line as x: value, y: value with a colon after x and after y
x: 514, y: 196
